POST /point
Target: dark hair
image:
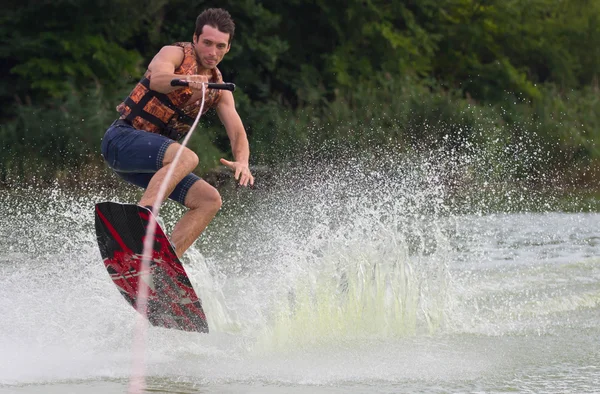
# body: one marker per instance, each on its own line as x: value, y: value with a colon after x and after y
x: 217, y: 18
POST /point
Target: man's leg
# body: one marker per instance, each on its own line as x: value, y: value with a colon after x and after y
x: 202, y: 199
x: 135, y: 155
x: 204, y: 202
x: 186, y: 164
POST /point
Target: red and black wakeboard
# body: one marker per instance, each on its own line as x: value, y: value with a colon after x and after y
x: 172, y: 301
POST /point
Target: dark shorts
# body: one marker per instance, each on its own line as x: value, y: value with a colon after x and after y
x: 136, y: 155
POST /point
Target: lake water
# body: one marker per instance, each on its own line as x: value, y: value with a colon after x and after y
x: 317, y: 287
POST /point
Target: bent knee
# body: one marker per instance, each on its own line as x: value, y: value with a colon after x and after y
x: 213, y: 199
x: 190, y: 158
x: 203, y: 195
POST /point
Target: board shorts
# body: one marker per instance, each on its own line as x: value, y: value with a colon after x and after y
x: 136, y: 155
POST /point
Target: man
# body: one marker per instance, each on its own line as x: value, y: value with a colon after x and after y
x: 141, y: 145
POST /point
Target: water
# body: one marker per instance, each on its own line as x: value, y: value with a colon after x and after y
x: 326, y: 283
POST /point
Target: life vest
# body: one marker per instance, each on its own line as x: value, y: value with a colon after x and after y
x: 168, y: 114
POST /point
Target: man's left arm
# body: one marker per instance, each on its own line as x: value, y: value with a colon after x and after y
x: 237, y: 135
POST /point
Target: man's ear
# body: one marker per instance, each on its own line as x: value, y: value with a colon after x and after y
x: 194, y: 38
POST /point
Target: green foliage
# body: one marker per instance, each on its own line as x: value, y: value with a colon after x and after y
x: 373, y: 37
x: 52, y: 47
x: 64, y: 64
x: 494, y: 47
x: 537, y: 142
x: 65, y: 135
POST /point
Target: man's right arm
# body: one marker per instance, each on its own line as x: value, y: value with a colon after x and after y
x: 163, y: 68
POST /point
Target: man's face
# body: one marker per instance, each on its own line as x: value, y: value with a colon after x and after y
x: 211, y: 46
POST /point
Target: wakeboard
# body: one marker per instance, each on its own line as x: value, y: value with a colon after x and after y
x: 172, y: 301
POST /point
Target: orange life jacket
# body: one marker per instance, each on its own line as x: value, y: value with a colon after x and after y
x: 168, y: 114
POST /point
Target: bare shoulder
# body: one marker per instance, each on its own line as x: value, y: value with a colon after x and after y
x: 168, y: 56
x: 171, y: 51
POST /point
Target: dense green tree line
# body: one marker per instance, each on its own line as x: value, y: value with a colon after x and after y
x: 304, y: 65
